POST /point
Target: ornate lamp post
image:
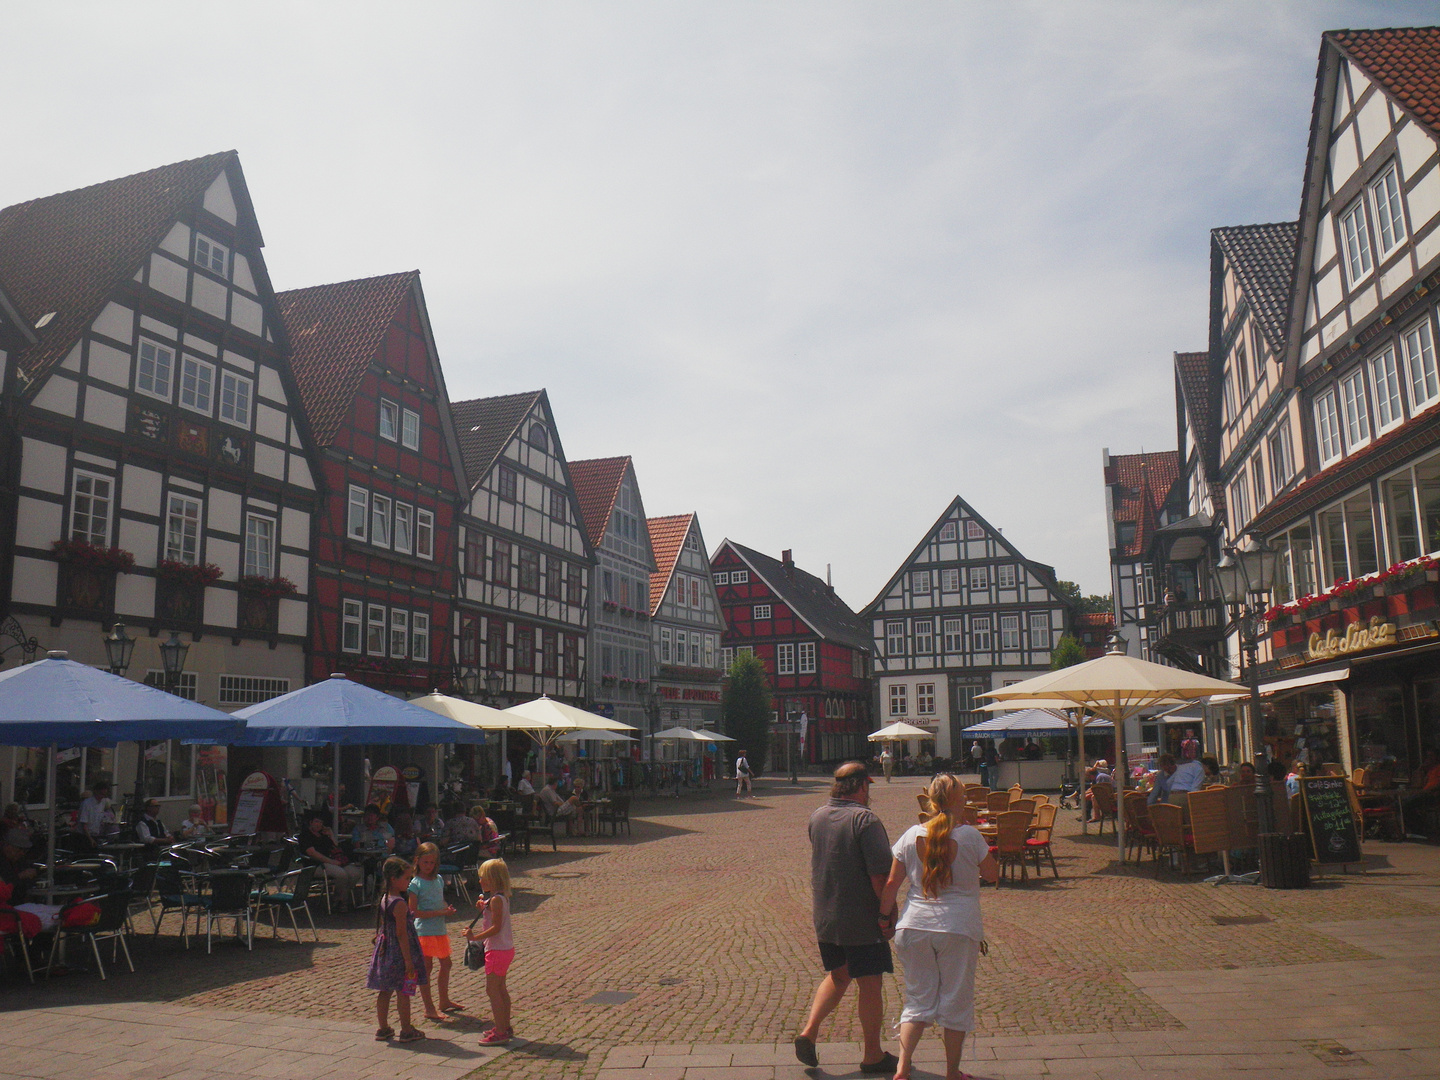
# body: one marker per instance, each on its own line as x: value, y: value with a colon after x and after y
x: 468, y: 678
x: 172, y: 659
x: 494, y: 683
x: 118, y: 649
x: 28, y: 646
x: 1246, y: 574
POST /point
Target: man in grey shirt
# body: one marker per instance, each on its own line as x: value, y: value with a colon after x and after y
x: 849, y: 861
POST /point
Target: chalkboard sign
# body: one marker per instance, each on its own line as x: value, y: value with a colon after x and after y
x: 1330, y: 820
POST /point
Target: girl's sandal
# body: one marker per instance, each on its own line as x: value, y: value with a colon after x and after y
x: 381, y: 1034
x: 495, y: 1037
x: 409, y: 1035
x: 452, y: 1008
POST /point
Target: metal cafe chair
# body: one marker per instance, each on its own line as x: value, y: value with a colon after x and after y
x: 113, y: 924
x: 232, y: 895
x: 295, y: 897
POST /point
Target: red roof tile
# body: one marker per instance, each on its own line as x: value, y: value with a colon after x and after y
x: 1405, y: 61
x: 1096, y: 619
x: 1144, y: 482
x: 65, y: 254
x: 335, y: 332
x: 597, y: 484
x: 667, y: 535
x: 485, y: 426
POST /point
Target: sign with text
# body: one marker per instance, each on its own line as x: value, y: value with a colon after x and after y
x: 1330, y: 819
x: 1358, y: 637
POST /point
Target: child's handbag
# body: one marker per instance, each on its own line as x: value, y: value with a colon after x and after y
x: 475, y: 950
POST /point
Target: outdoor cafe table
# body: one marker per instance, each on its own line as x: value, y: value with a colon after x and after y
x: 123, y: 852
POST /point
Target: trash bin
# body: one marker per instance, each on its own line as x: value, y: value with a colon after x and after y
x: 1285, y: 860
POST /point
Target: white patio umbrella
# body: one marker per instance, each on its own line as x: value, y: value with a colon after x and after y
x: 544, y: 719
x: 480, y: 717
x: 899, y: 731
x: 1077, y: 719
x: 594, y: 736
x: 1116, y: 687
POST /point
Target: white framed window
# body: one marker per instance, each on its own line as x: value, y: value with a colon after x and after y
x: 980, y: 633
x: 745, y: 650
x: 950, y: 580
x: 785, y: 659
x: 895, y: 638
x: 899, y: 705
x: 1009, y: 632
x: 807, y: 658
x: 974, y: 530
x: 259, y: 546
x: 727, y: 657
x: 695, y: 593
x: 350, y: 621
x: 682, y: 594
x: 399, y: 633
x: 953, y: 635
x: 694, y: 652
x: 920, y: 581
x: 420, y: 637
x: 1257, y: 478
x: 1385, y: 372
x: 90, y: 500
x: 154, y: 369
x: 358, y: 520
x: 667, y: 639
x: 1420, y: 364
x: 404, y: 527
x: 410, y: 429
x: 182, y: 530
x: 424, y: 533
x: 760, y: 611
x: 250, y: 689
x: 739, y: 577
x: 380, y: 521
x: 1389, y: 214
x: 721, y: 577
x: 1327, y: 427
x: 948, y: 531
x: 197, y: 384
x: 1040, y: 630
x: 1353, y: 410
x: 925, y: 699
x: 979, y: 577
x: 1282, y: 458
x: 1355, y: 241
x: 1239, y: 502
x: 1005, y: 575
x: 682, y: 643
x: 236, y: 393
x: 389, y: 420
x: 210, y: 255
x: 924, y: 631
x: 375, y: 630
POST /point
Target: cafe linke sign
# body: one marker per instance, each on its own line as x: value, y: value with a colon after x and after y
x: 1382, y: 618
x: 1358, y: 637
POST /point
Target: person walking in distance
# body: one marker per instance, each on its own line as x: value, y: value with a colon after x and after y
x: 887, y: 762
x: 742, y: 776
x: 849, y: 863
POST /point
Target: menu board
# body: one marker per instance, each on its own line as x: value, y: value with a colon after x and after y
x: 258, y: 807
x: 1330, y: 819
x: 387, y: 790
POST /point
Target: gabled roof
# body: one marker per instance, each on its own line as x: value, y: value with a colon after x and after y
x: 1405, y: 61
x: 597, y: 485
x: 335, y: 332
x: 809, y: 597
x: 1199, y: 396
x: 1263, y: 258
x: 65, y: 254
x: 485, y: 427
x: 667, y: 537
x: 1142, y: 483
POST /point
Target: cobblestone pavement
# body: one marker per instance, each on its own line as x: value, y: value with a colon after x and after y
x: 703, y: 916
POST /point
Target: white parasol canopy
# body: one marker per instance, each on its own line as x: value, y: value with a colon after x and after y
x: 544, y: 719
x: 899, y: 732
x: 594, y: 736
x: 685, y: 734
x: 480, y: 717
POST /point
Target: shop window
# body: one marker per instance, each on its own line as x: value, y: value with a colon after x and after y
x: 1378, y: 713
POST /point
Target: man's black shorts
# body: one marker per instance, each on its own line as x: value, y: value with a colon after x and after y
x: 860, y: 960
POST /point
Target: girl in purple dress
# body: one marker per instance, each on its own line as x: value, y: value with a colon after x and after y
x: 398, y: 965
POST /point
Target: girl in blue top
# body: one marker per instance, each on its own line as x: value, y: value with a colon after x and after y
x: 428, y: 908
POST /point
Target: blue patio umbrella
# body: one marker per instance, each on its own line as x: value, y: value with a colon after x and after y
x: 345, y: 713
x: 56, y: 702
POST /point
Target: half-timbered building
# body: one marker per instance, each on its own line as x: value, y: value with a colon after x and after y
x: 816, y: 650
x: 522, y: 609
x: 686, y: 624
x: 1141, y: 495
x: 965, y: 613
x: 160, y: 468
x: 619, y: 675
x: 385, y: 564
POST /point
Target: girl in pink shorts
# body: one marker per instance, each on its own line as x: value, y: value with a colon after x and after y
x: 499, y: 945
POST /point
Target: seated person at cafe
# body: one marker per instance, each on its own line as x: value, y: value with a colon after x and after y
x: 195, y: 827
x: 318, y: 842
x: 406, y: 839
x: 525, y: 787
x: 95, y: 820
x: 372, y: 834
x: 1293, y: 777
x: 1172, y: 779
x: 462, y: 829
x: 1099, y: 773
x: 13, y: 817
x: 150, y: 830
x: 17, y: 869
x: 555, y: 805
x: 503, y: 791
x: 1244, y: 775
x: 487, y: 833
x: 431, y: 826
x: 1212, y: 769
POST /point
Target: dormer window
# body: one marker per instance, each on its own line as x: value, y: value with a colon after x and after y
x: 210, y: 255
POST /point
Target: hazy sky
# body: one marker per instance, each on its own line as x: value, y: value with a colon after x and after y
x: 817, y: 267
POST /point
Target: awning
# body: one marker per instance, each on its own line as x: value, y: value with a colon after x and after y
x: 1314, y: 678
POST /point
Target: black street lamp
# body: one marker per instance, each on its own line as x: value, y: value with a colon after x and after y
x: 118, y: 649
x: 1245, y: 575
x: 172, y: 659
x: 469, y: 679
x: 494, y: 683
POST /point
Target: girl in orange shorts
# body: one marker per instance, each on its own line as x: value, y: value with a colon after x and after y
x: 429, y: 909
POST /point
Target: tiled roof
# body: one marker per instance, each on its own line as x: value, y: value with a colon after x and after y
x: 484, y: 426
x: 65, y: 254
x: 1095, y: 619
x: 1405, y: 61
x: 1200, y: 393
x: 667, y: 534
x: 597, y: 483
x: 811, y: 599
x: 1144, y: 482
x: 1263, y: 258
x: 335, y: 331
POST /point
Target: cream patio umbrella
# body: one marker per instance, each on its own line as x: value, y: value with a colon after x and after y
x: 544, y: 719
x: 899, y: 731
x: 1116, y: 687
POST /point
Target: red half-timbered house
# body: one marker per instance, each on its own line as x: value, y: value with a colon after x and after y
x: 816, y: 651
x: 385, y: 564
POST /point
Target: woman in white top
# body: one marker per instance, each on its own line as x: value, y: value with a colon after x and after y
x: 938, y: 934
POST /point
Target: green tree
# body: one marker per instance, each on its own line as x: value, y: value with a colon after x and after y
x: 1067, y: 653
x: 1094, y: 604
x: 746, y: 708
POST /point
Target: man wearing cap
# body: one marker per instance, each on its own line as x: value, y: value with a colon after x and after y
x: 150, y: 830
x: 849, y: 861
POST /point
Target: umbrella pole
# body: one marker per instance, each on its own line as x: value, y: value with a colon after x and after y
x: 50, y: 785
x: 1080, y: 774
x: 335, y: 792
x: 1121, y: 772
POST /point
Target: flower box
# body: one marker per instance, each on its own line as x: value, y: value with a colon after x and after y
x: 80, y: 553
x: 607, y: 680
x: 271, y: 588
x: 609, y: 605
x: 201, y: 574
